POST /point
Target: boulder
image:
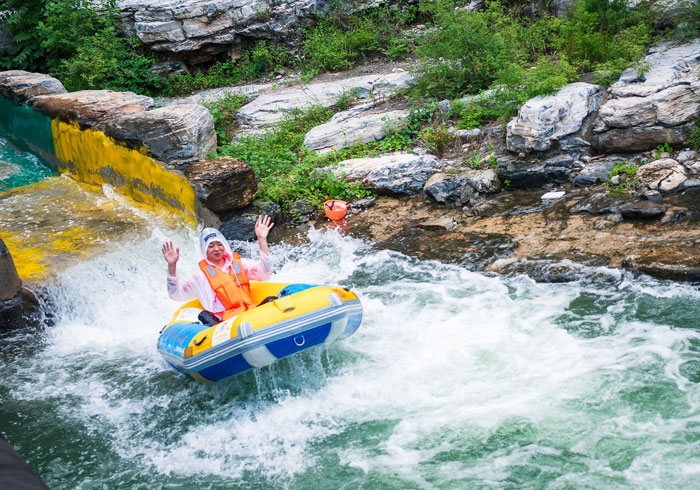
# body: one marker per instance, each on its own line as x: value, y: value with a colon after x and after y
x: 176, y: 134
x: 660, y: 106
x: 20, y: 85
x: 10, y: 284
x: 223, y: 184
x: 665, y: 175
x: 18, y: 307
x: 353, y: 126
x: 463, y: 188
x: 240, y: 224
x: 395, y: 173
x: 92, y: 108
x: 555, y: 121
x: 524, y: 175
x: 595, y: 172
x: 642, y: 210
x: 271, y: 107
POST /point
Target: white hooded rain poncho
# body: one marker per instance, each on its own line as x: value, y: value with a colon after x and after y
x: 196, y: 284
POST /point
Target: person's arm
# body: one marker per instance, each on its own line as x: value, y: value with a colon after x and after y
x: 261, y: 270
x: 177, y: 290
x: 262, y: 228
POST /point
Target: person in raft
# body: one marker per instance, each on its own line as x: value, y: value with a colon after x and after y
x: 221, y: 283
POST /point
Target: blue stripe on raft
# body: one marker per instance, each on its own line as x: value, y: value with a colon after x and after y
x: 224, y: 369
x: 178, y: 336
x: 295, y: 343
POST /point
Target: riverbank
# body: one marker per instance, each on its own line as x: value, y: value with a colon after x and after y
x: 516, y: 232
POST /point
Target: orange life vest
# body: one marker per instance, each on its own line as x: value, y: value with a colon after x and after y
x: 236, y: 299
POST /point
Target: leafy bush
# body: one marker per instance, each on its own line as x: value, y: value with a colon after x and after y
x: 263, y: 59
x: 26, y: 51
x: 508, y: 60
x: 223, y: 111
x: 339, y: 39
x: 79, y: 43
x: 285, y: 169
x: 466, y: 50
x: 437, y: 138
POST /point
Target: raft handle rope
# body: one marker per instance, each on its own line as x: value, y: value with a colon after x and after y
x: 200, y: 342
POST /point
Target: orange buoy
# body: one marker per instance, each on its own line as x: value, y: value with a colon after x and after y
x: 335, y: 209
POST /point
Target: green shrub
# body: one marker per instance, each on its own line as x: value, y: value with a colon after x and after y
x: 26, y: 51
x: 285, y: 169
x: 223, y: 111
x: 81, y: 44
x: 466, y: 50
x: 263, y: 59
x: 438, y: 138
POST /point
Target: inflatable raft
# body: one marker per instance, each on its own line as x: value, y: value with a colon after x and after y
x: 299, y: 318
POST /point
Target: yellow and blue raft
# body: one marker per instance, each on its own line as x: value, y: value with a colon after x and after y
x: 300, y: 317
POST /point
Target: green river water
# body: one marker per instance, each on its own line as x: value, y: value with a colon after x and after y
x: 455, y: 380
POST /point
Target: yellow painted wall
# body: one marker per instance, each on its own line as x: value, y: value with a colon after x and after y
x: 93, y: 157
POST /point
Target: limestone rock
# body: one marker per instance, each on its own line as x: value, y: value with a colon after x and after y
x: 395, y: 173
x: 214, y: 94
x: 223, y: 184
x: 666, y: 175
x: 523, y: 175
x: 660, y: 106
x: 642, y: 210
x: 543, y: 121
x: 460, y: 189
x: 176, y: 134
x: 201, y: 29
x: 10, y: 285
x: 271, y: 107
x: 349, y: 127
x: 20, y: 85
x: 92, y: 108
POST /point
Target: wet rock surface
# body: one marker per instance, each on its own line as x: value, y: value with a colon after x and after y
x: 240, y: 225
x: 10, y: 284
x: 642, y: 210
x: 223, y: 184
x: 514, y: 232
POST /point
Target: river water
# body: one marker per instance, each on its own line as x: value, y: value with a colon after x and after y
x: 454, y: 380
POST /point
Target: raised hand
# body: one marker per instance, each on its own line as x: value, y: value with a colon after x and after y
x: 171, y: 256
x: 263, y: 226
x: 170, y: 253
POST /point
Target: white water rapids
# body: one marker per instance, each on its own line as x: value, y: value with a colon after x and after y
x: 454, y: 380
